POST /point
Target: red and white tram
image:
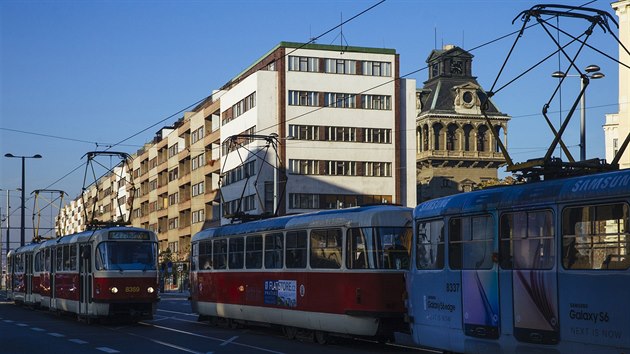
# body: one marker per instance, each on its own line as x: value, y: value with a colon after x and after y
x: 109, y: 272
x: 330, y: 272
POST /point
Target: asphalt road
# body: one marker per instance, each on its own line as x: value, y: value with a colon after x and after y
x: 173, y: 330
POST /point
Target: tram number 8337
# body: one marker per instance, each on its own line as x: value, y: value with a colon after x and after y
x: 132, y: 289
x: 452, y: 287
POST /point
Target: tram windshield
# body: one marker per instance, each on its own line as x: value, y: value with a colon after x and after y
x: 121, y: 255
x: 378, y: 247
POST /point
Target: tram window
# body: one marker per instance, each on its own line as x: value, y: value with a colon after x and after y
x: 219, y: 253
x: 596, y: 237
x: 101, y: 254
x: 430, y: 245
x: 66, y: 258
x: 378, y: 248
x: 396, y: 243
x: 194, y: 259
x: 19, y: 263
x: 273, y: 251
x: 359, y: 251
x: 326, y: 248
x: 47, y: 260
x: 527, y: 240
x: 59, y: 251
x: 471, y: 241
x: 236, y: 252
x: 37, y: 263
x: 73, y: 257
x: 205, y: 255
x: 253, y: 252
x: 296, y: 249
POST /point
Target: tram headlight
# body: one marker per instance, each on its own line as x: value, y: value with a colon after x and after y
x: 113, y: 290
x: 150, y: 290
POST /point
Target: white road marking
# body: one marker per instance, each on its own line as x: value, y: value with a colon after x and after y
x: 37, y: 329
x: 107, y: 350
x: 229, y: 341
x: 77, y: 341
x: 211, y: 338
x: 174, y: 346
x: 8, y: 321
x: 56, y: 334
x: 179, y: 313
x: 22, y: 324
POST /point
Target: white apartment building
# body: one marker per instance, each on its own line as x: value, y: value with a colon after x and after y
x: 344, y: 123
x: 617, y: 125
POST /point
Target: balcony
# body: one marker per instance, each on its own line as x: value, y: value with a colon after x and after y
x: 183, y: 204
x: 464, y: 155
x: 212, y: 137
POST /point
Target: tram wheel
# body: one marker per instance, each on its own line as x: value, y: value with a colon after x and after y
x: 321, y: 337
x: 289, y: 332
x: 232, y: 324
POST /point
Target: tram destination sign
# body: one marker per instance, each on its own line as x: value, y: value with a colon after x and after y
x: 129, y: 235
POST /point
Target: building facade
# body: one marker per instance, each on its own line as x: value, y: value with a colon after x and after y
x: 617, y: 125
x: 305, y: 127
x: 341, y: 118
x: 455, y: 148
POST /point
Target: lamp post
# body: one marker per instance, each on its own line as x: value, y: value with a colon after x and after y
x: 22, y: 225
x: 8, y: 219
x: 592, y: 72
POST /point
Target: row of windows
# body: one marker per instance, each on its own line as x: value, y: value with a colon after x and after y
x: 196, y: 135
x: 593, y: 237
x: 246, y: 204
x: 340, y: 66
x: 66, y: 260
x: 198, y: 161
x: 334, y: 201
x: 340, y: 168
x: 173, y: 150
x: 239, y: 108
x: 173, y: 223
x: 198, y: 189
x: 241, y: 172
x: 173, y: 174
x: 339, y: 100
x: 231, y: 145
x: 198, y: 216
x: 347, y: 134
x: 365, y: 248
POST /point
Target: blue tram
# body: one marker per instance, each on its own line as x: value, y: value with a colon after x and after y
x: 532, y: 268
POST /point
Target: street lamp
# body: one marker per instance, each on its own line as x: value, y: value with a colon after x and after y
x: 592, y: 72
x: 8, y: 219
x: 22, y: 225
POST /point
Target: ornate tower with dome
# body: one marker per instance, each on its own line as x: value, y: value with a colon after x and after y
x: 455, y: 149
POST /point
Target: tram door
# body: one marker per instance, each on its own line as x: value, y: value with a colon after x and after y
x: 85, y: 276
x: 53, y: 275
x: 534, y: 278
x: 480, y: 275
x: 28, y: 278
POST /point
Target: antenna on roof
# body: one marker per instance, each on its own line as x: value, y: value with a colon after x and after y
x: 341, y: 37
x: 311, y: 39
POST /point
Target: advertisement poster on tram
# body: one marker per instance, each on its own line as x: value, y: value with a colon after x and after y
x: 281, y: 293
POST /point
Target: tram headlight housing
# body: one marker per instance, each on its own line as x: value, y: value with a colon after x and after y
x: 113, y: 290
x: 150, y: 290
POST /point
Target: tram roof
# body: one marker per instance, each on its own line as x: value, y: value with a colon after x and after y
x: 587, y: 187
x: 336, y: 217
x: 82, y: 236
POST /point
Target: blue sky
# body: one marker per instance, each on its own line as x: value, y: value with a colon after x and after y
x: 101, y: 71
